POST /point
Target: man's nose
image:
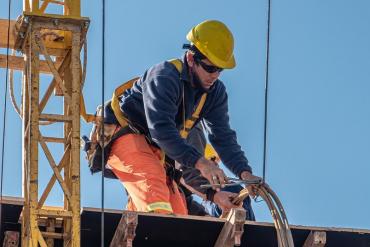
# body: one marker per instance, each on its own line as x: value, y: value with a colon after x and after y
x: 215, y: 75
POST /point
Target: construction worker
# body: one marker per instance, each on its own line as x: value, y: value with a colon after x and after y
x: 192, y: 181
x: 165, y: 101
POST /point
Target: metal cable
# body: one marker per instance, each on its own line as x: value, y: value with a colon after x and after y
x: 11, y: 90
x: 283, y: 232
x: 266, y: 90
x: 279, y: 205
x: 84, y: 64
x: 102, y: 137
x: 11, y: 80
x: 14, y: 102
x: 276, y: 218
x: 4, y: 119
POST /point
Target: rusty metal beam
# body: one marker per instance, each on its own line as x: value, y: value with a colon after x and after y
x: 315, y: 239
x: 34, y: 43
x: 17, y: 63
x: 52, y: 180
x: 4, y: 33
x: 11, y: 239
x: 55, y: 118
x: 233, y: 229
x: 125, y: 232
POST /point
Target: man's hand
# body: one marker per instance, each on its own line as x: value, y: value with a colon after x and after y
x: 211, y: 171
x: 223, y: 200
x: 252, y: 189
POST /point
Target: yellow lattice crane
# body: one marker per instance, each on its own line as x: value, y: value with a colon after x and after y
x: 51, y: 44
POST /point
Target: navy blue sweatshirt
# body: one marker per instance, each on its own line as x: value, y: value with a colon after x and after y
x: 155, y: 106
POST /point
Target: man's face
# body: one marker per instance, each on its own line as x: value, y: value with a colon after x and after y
x: 200, y: 67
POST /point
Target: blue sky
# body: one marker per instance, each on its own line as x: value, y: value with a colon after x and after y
x: 318, y: 111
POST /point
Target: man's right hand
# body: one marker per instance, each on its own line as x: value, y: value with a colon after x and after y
x: 224, y: 200
x: 210, y: 170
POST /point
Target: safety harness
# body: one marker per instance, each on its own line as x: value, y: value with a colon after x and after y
x: 93, y: 145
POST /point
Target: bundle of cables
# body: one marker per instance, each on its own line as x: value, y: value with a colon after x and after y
x: 284, y: 235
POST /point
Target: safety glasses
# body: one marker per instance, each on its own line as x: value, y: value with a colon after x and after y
x: 208, y: 68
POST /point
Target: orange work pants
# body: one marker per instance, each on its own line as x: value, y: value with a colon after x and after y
x: 139, y: 167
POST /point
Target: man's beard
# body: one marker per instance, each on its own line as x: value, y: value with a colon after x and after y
x: 197, y: 82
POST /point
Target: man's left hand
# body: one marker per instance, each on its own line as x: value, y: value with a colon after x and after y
x: 253, y: 188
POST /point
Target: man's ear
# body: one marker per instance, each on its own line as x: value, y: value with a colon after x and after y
x: 190, y: 58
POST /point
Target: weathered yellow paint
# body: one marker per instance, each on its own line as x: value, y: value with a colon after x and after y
x: 66, y: 71
x: 26, y: 5
x: 70, y: 7
x: 75, y: 138
x: 4, y: 33
x: 73, y: 9
x: 33, y: 140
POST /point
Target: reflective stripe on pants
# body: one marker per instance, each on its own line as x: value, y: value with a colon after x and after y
x: 138, y: 166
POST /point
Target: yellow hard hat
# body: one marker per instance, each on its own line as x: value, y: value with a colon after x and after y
x: 215, y: 41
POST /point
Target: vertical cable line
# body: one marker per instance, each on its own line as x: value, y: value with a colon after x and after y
x: 266, y: 89
x: 4, y: 118
x: 102, y: 129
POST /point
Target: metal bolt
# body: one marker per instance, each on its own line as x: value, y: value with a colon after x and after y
x: 21, y: 35
x: 86, y: 24
x: 26, y: 20
x: 56, y: 22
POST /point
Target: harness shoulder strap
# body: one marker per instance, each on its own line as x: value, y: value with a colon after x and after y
x: 121, y: 89
x: 189, y: 123
x: 178, y: 64
x: 115, y: 101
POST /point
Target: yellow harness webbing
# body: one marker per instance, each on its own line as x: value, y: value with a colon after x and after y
x: 177, y: 63
x: 188, y: 125
x: 115, y: 101
x: 191, y: 121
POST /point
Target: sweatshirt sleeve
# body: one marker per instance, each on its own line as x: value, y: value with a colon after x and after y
x: 222, y: 137
x: 161, y: 94
x: 192, y: 176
